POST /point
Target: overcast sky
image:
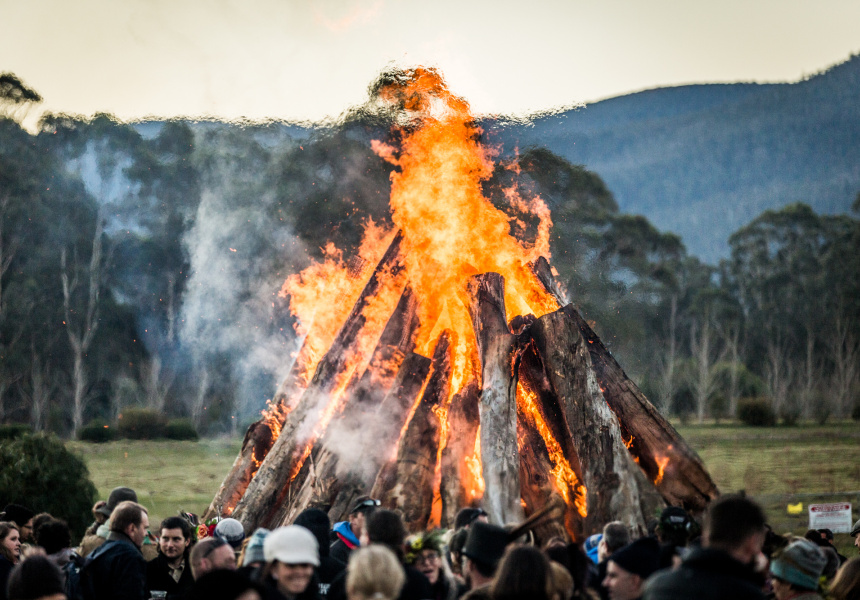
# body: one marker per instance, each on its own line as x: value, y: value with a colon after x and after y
x: 307, y: 60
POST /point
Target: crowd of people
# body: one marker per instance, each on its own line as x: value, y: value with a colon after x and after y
x: 727, y: 553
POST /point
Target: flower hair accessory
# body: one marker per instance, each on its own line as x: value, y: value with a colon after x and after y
x: 427, y: 540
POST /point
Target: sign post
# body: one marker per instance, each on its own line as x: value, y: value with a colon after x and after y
x: 836, y: 517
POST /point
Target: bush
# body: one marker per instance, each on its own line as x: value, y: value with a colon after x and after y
x: 14, y: 431
x: 141, y: 424
x: 97, y: 431
x: 37, y: 471
x: 756, y: 412
x: 181, y: 429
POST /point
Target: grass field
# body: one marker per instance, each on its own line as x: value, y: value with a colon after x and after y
x: 774, y: 465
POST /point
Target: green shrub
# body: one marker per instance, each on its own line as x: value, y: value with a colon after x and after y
x: 141, y: 424
x: 37, y: 471
x: 14, y: 431
x: 756, y: 412
x: 97, y: 431
x: 181, y: 429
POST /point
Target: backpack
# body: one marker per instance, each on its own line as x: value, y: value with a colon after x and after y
x: 78, y: 585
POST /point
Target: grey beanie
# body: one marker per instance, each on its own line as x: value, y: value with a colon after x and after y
x: 231, y: 531
x: 800, y: 563
x: 254, y: 549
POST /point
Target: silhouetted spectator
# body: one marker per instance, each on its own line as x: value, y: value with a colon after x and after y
x: 318, y: 523
x: 385, y: 527
x: 724, y: 567
x: 523, y: 574
x: 484, y: 549
x: 466, y: 516
x: 38, y: 577
x: 56, y: 539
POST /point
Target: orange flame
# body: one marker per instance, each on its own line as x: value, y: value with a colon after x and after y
x: 564, y: 478
x: 475, y: 484
x: 662, y: 463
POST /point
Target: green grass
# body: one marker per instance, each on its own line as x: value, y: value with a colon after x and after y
x: 168, y: 476
x: 781, y: 465
x: 778, y: 465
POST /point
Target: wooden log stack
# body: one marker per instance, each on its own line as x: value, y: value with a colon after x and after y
x: 551, y: 414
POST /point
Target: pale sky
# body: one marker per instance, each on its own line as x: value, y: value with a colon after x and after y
x: 307, y: 60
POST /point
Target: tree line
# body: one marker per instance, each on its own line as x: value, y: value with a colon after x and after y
x: 140, y: 266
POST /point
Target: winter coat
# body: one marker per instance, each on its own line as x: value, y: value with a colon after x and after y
x: 158, y: 577
x: 116, y: 571
x: 346, y: 541
x: 706, y: 574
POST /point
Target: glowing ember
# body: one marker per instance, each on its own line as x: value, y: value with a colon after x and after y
x: 662, y: 462
x: 475, y: 485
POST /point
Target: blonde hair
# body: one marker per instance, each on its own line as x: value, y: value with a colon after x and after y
x: 374, y: 573
x: 846, y: 584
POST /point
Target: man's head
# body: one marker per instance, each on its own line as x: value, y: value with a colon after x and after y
x: 629, y: 567
x: 674, y: 527
x: 174, y: 538
x: 485, y: 546
x: 615, y: 537
x: 54, y: 536
x: 22, y: 517
x: 211, y: 554
x: 131, y: 519
x: 469, y: 515
x: 386, y: 527
x: 736, y: 525
x: 361, y: 511
x: 117, y: 495
x: 855, y: 533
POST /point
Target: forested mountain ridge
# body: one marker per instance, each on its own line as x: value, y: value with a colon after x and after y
x: 702, y: 160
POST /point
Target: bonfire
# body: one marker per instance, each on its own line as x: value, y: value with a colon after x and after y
x: 444, y: 366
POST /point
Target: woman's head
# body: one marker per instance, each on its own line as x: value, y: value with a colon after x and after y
x: 424, y: 552
x: 374, y: 573
x: 10, y: 541
x: 291, y: 555
x: 524, y: 572
x: 846, y: 584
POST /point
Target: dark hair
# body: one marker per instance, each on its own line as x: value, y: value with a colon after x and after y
x: 177, y: 523
x: 732, y: 520
x: 317, y: 522
x: 53, y: 536
x: 35, y: 577
x: 126, y: 513
x: 523, y: 574
x: 40, y: 519
x: 615, y: 536
x: 573, y: 558
x: 222, y: 583
x: 467, y: 516
x: 17, y: 514
x: 386, y: 527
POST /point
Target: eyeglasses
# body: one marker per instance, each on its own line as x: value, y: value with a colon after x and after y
x: 428, y: 557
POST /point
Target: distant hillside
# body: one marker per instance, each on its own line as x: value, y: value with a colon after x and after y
x: 703, y: 160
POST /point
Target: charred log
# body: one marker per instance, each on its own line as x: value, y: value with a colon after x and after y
x: 497, y: 349
x: 463, y: 421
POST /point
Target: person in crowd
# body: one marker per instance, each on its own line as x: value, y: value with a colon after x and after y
x: 484, y: 548
x: 561, y: 582
x: 615, y: 536
x: 211, y: 554
x: 10, y: 552
x: 37, y: 578
x: 39, y: 520
x: 374, y: 573
x: 117, y: 569
x: 592, y: 547
x: 55, y: 538
x: 99, y: 518
x: 424, y: 552
x: 523, y: 574
x: 629, y: 567
x: 466, y: 516
x: 385, y: 527
x: 317, y: 522
x: 170, y: 571
x: 23, y: 518
x: 252, y: 560
x: 674, y: 530
x: 846, y: 584
x: 574, y: 559
x: 94, y: 540
x: 795, y: 571
x: 348, y: 533
x: 828, y: 550
x: 232, y: 532
x: 225, y: 585
x: 725, y: 567
x: 455, y: 555
x: 292, y: 555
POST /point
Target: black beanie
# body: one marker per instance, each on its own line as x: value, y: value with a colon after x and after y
x: 35, y: 577
x: 18, y: 514
x: 318, y: 523
x: 640, y: 557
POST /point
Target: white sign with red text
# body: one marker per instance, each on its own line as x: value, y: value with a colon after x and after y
x: 835, y: 517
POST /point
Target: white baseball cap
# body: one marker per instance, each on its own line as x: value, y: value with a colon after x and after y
x: 292, y: 545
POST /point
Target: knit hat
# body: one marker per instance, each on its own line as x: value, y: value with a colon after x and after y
x: 231, y: 531
x: 17, y: 514
x: 35, y: 577
x: 254, y: 549
x: 641, y: 557
x: 800, y: 563
x: 117, y: 495
x: 856, y: 528
x: 590, y: 545
x: 317, y: 522
x: 292, y: 545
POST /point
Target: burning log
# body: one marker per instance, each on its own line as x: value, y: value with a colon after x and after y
x: 268, y: 489
x: 458, y: 487
x: 407, y: 483
x: 607, y: 470
x: 497, y: 348
x: 348, y: 429
x: 674, y: 468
